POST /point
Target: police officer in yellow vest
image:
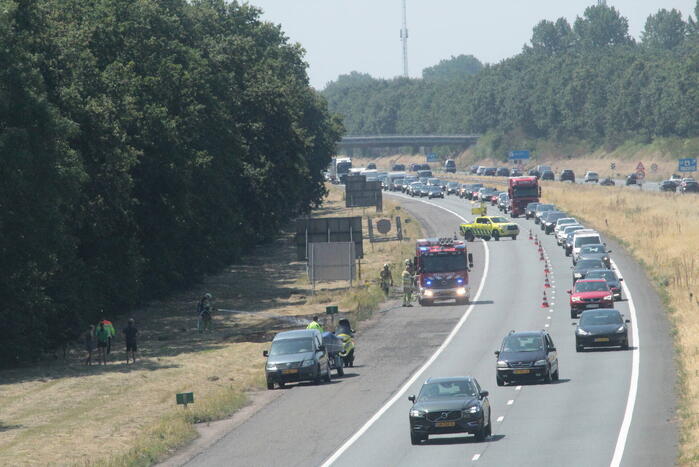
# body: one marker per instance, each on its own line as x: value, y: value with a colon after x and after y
x: 408, y: 282
x: 315, y: 325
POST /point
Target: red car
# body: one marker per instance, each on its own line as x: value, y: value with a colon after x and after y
x: 588, y: 294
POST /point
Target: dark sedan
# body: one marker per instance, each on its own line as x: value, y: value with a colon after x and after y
x: 548, y: 175
x: 550, y: 221
x: 526, y: 356
x: 631, y: 179
x: 540, y: 209
x: 584, y: 265
x: 595, y: 250
x: 607, y: 182
x: 450, y: 405
x: 689, y: 187
x: 613, y: 281
x: 605, y: 327
x: 567, y: 175
x: 503, y: 172
x: 668, y: 185
x: 530, y: 210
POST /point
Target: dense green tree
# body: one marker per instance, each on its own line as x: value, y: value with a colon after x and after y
x: 602, y: 26
x: 453, y: 68
x: 664, y: 30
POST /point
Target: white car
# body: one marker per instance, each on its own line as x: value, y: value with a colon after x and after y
x: 582, y: 238
x: 563, y: 221
x: 563, y: 232
x: 592, y: 177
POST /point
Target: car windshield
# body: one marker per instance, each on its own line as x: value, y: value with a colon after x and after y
x: 452, y: 184
x: 526, y: 191
x: 531, y: 206
x: 566, y: 220
x: 590, y: 249
x: 606, y: 275
x: 458, y: 389
x: 589, y: 264
x: 443, y: 263
x: 523, y: 344
x: 544, y: 207
x: 591, y: 286
x: 580, y: 241
x: 592, y: 174
x: 499, y: 220
x: 435, y: 188
x: 572, y: 228
x: 600, y: 317
x: 291, y: 346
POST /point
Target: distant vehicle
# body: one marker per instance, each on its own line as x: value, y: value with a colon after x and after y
x: 502, y: 172
x: 550, y: 222
x: 371, y: 166
x: 398, y: 168
x: 414, y: 189
x: 542, y: 168
x: 489, y: 172
x: 689, y: 186
x: 591, y: 177
x: 480, y: 170
x: 562, y: 234
x: 425, y: 167
x: 442, y: 266
x: 540, y: 209
x: 503, y: 202
x: 562, y: 222
x: 339, y: 168
x: 526, y: 356
x: 434, y: 191
x: 589, y: 293
x: 474, y: 169
x: 531, y: 209
x: 434, y: 182
x: 450, y: 166
x: 548, y: 175
x: 425, y: 190
x: 415, y: 167
x: 676, y: 179
x: 450, y: 405
x: 607, y: 182
x: 631, y: 179
x: 668, y: 185
x: 534, y: 173
x: 452, y: 187
x: 602, y: 328
x: 584, y: 265
x: 598, y: 251
x: 516, y: 173
x: 424, y: 173
x: 296, y: 356
x: 522, y: 192
x: 567, y: 175
x: 613, y: 281
x: 582, y: 238
x: 485, y: 193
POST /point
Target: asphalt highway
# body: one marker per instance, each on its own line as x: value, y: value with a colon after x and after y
x: 610, y: 407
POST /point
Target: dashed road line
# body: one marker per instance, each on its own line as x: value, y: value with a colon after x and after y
x: 500, y: 419
x: 510, y: 402
x: 475, y: 457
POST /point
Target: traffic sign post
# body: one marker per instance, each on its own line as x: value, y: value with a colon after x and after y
x: 688, y: 165
x: 520, y: 155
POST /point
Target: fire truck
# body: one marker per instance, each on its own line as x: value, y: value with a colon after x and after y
x: 522, y: 191
x: 442, y: 266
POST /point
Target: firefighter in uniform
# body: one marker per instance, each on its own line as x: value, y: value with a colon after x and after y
x: 409, y: 266
x: 386, y: 279
x: 408, y: 282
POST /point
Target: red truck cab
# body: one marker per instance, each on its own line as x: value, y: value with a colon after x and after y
x: 442, y: 266
x: 522, y: 191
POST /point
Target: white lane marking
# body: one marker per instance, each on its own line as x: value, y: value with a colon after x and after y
x: 353, y: 439
x: 546, y: 325
x: 633, y: 385
x: 475, y: 457
x: 548, y: 317
x: 510, y: 402
x: 518, y: 388
x: 500, y: 419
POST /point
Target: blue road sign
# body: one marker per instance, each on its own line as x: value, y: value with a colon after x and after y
x: 432, y: 158
x: 688, y: 165
x: 519, y: 155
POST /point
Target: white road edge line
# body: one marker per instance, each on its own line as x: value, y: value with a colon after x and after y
x: 633, y: 386
x: 475, y: 457
x: 353, y: 439
x: 500, y: 419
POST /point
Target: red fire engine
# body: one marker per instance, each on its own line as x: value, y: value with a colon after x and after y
x: 442, y: 266
x: 522, y: 191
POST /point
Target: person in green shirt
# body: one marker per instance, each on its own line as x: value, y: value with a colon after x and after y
x: 102, y: 335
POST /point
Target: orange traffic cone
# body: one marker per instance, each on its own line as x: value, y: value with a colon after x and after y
x: 546, y: 268
x: 536, y: 240
x: 547, y: 284
x: 541, y: 257
x: 545, y: 301
x: 530, y: 234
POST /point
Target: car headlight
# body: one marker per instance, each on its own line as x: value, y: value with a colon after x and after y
x: 461, y: 291
x: 540, y: 363
x: 502, y: 364
x: 307, y: 363
x: 271, y: 367
x: 577, y: 275
x: 607, y: 297
x: 428, y: 293
x: 417, y: 413
x: 582, y: 332
x: 606, y: 258
x: 471, y: 410
x: 621, y: 329
x: 575, y: 299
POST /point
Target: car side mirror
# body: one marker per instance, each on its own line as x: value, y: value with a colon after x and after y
x: 552, y: 349
x: 628, y: 321
x: 497, y: 353
x: 574, y: 323
x: 411, y: 399
x: 569, y: 291
x: 621, y: 279
x: 265, y: 353
x: 483, y: 394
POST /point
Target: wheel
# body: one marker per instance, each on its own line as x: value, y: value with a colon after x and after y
x: 573, y: 314
x: 489, y: 429
x: 327, y: 375
x: 496, y: 236
x: 499, y: 380
x: 481, y: 435
x: 579, y: 348
x: 415, y: 438
x: 555, y: 375
x: 567, y: 252
x: 468, y: 236
x: 319, y: 376
x: 625, y: 346
x: 340, y: 370
x: 462, y: 301
x: 547, y: 378
x: 514, y: 237
x: 281, y: 384
x: 270, y: 385
x: 425, y: 302
x: 487, y: 239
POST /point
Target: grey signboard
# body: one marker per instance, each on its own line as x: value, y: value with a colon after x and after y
x: 331, y: 261
x: 328, y: 229
x: 362, y: 193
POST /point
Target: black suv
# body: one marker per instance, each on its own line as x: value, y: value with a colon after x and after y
x: 548, y: 175
x: 567, y: 174
x: 526, y: 356
x: 450, y: 405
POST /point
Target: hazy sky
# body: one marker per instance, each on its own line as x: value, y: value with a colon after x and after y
x: 341, y: 36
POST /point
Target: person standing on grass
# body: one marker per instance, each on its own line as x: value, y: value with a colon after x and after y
x: 131, y: 333
x: 204, y: 313
x: 89, y: 341
x: 112, y: 332
x: 102, y: 335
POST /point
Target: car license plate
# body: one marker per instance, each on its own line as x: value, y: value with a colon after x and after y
x: 290, y: 372
x: 444, y: 424
x: 592, y: 305
x: 521, y: 372
x: 602, y: 339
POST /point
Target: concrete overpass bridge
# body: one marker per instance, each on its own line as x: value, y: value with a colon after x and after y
x: 417, y: 143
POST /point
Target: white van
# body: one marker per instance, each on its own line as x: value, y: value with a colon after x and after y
x: 584, y: 237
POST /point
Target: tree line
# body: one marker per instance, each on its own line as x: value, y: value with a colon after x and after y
x: 587, y: 81
x: 143, y: 144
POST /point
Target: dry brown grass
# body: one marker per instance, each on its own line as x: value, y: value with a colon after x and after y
x: 64, y: 413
